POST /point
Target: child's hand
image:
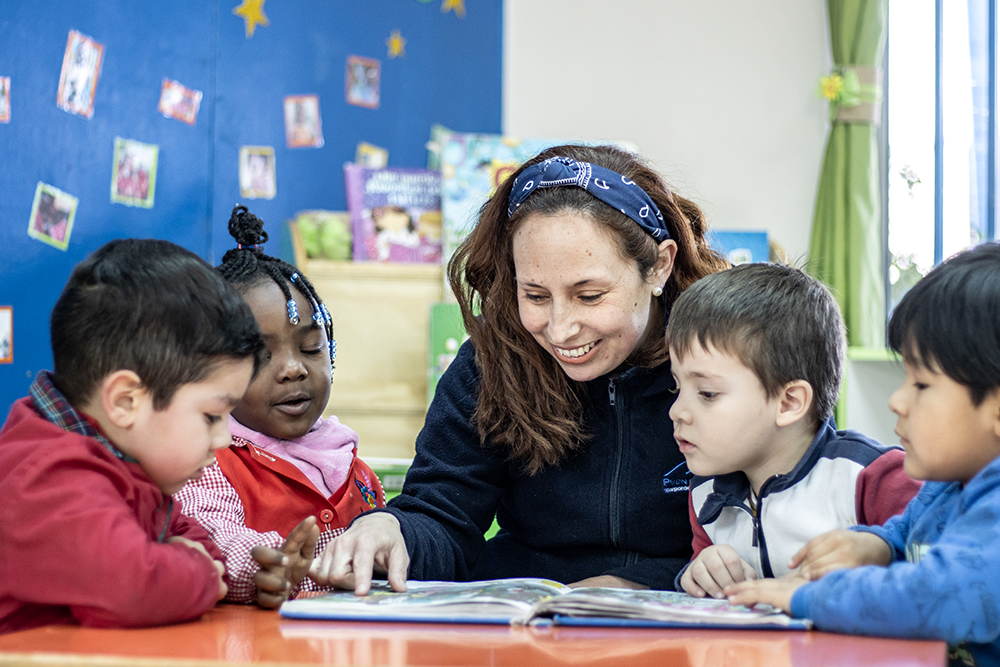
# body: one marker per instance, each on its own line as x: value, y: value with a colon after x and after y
x: 775, y: 592
x: 281, y: 570
x: 715, y: 568
x: 200, y: 548
x: 839, y: 549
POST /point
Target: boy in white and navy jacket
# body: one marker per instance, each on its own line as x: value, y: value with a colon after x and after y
x: 758, y: 352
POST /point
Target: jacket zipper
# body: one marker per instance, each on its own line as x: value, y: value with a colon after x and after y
x: 758, y: 537
x: 751, y: 505
x: 619, y: 411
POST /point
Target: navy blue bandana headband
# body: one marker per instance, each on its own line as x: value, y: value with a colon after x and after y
x: 609, y: 186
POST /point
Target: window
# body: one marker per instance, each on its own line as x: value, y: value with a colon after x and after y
x: 941, y: 97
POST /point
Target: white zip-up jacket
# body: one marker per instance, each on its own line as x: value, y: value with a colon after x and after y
x: 844, y: 479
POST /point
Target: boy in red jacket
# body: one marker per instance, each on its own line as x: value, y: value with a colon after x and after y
x: 151, y: 352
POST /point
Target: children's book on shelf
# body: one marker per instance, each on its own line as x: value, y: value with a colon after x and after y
x: 395, y: 213
x: 472, y: 166
x: 446, y: 334
x: 533, y: 601
x: 324, y: 234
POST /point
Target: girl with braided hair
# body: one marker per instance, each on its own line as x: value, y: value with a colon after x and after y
x: 291, y: 480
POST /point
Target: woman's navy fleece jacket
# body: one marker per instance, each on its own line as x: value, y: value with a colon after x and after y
x: 618, y: 506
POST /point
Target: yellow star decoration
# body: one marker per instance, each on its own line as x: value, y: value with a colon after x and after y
x: 457, y: 5
x: 252, y: 12
x: 396, y: 44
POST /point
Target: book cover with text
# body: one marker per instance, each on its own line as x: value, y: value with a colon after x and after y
x: 395, y: 213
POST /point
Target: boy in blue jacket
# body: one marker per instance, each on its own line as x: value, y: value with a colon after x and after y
x: 930, y: 573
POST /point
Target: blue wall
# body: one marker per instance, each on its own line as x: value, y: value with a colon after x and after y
x: 450, y: 74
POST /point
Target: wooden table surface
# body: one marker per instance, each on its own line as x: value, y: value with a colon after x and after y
x: 249, y: 635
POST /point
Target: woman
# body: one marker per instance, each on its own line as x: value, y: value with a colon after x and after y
x: 553, y: 417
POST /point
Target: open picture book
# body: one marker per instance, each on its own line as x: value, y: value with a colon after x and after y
x: 524, y: 601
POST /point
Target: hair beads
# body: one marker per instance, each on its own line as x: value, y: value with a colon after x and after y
x: 247, y: 264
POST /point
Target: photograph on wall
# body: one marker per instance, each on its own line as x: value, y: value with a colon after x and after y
x: 52, y: 215
x: 179, y: 102
x: 133, y: 178
x: 80, y: 69
x: 363, y: 75
x: 303, y: 128
x: 6, y: 334
x: 4, y: 99
x: 257, y: 172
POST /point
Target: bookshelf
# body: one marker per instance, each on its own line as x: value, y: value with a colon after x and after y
x: 381, y: 319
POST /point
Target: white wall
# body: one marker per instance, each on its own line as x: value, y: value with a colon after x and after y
x: 719, y: 94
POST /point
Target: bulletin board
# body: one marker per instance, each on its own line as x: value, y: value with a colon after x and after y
x: 375, y: 71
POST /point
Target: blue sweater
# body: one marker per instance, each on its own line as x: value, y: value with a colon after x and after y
x: 943, y: 583
x: 618, y: 506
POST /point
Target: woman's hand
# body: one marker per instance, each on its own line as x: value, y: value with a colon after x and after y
x: 607, y: 581
x: 373, y: 543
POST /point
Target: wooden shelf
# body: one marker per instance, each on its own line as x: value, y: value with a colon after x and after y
x: 380, y: 318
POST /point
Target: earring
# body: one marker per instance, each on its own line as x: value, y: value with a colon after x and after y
x: 658, y: 290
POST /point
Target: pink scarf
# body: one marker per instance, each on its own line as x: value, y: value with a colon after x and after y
x: 324, y: 454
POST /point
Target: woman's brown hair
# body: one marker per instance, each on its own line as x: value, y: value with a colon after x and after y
x: 527, y: 405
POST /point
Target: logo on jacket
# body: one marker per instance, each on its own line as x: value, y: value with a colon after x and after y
x: 677, y: 479
x: 366, y: 490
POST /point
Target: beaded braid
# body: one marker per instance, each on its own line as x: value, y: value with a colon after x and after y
x: 246, y: 264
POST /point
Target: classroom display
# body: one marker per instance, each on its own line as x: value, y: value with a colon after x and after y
x: 527, y: 600
x: 212, y: 84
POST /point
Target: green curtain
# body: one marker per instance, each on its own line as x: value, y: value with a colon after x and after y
x: 845, y: 249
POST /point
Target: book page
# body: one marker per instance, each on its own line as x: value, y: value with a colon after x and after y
x: 654, y: 605
x: 478, y: 601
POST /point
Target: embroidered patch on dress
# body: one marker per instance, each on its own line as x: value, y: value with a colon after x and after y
x: 366, y: 493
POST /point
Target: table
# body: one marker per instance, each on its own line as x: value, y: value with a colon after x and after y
x: 250, y: 635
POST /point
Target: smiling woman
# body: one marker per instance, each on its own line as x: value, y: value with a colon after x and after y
x: 553, y: 417
x: 579, y: 298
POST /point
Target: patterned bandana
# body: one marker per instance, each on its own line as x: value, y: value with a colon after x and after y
x: 609, y: 186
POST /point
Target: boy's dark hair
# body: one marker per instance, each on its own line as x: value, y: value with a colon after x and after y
x: 781, y: 323
x: 246, y: 266
x: 151, y: 307
x: 951, y: 318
